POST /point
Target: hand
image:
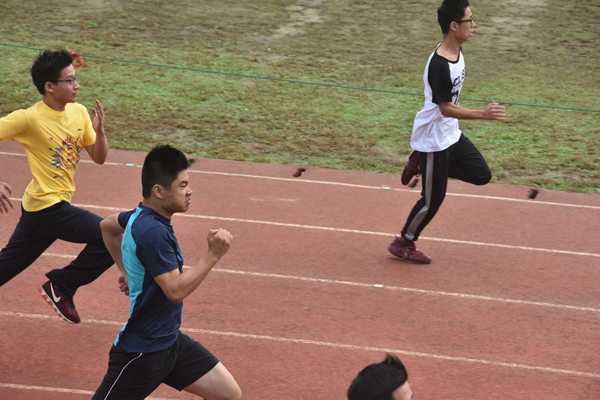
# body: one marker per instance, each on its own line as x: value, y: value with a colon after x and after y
x: 123, y: 283
x: 494, y: 111
x: 5, y: 202
x: 219, y: 241
x: 98, y: 121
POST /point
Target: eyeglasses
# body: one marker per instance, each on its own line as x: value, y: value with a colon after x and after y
x: 467, y: 20
x: 71, y: 81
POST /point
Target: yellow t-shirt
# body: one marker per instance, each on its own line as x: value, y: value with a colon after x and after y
x: 52, y: 141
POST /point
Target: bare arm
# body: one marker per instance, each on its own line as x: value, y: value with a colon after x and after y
x: 493, y: 111
x: 99, y: 150
x: 5, y: 202
x: 177, y: 286
x: 112, y: 233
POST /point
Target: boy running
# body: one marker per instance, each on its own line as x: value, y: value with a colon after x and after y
x: 150, y: 349
x: 441, y: 151
x: 53, y: 133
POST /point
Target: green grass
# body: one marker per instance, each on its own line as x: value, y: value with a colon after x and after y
x: 535, y: 52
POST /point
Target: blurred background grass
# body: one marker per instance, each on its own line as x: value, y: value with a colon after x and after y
x: 541, y: 52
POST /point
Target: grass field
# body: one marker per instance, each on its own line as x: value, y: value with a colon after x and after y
x: 542, y: 52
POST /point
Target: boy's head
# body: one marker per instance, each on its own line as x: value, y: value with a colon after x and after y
x: 451, y: 11
x: 162, y: 166
x: 48, y: 67
x: 386, y: 380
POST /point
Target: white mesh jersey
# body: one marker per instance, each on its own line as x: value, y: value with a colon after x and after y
x: 443, y: 81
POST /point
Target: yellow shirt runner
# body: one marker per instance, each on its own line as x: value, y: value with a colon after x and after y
x: 53, y: 141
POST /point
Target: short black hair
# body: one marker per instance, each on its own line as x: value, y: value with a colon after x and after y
x: 162, y: 166
x: 449, y: 11
x: 48, y: 66
x: 378, y: 381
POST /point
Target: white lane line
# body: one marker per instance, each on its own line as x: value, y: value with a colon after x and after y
x: 326, y: 228
x: 395, y: 351
x: 331, y: 344
x: 388, y: 287
x: 410, y: 290
x: 60, y: 390
x: 46, y: 389
x: 475, y: 196
x: 83, y: 161
x: 344, y: 230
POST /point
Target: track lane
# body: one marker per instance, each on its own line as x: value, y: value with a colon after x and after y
x: 330, y: 312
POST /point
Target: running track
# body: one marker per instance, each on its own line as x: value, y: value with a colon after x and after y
x: 308, y: 294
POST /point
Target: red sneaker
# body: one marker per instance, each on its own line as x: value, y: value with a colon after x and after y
x: 60, y: 302
x: 412, y: 167
x: 406, y: 250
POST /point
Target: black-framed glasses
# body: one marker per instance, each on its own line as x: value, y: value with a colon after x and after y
x: 71, y: 81
x: 470, y: 21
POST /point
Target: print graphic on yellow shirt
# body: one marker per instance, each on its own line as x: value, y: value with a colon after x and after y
x: 53, y: 141
x: 67, y: 156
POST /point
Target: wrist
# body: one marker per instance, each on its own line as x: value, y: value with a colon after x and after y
x: 212, y: 257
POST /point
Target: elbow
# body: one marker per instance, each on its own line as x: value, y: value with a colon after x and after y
x: 99, y: 156
x: 175, y: 297
x: 445, y: 109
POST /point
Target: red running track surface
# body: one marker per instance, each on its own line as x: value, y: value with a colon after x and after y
x: 308, y: 294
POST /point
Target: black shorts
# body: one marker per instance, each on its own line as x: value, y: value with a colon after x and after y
x: 137, y: 375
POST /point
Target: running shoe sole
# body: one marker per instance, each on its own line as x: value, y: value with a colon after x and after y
x: 48, y: 299
x: 404, y: 257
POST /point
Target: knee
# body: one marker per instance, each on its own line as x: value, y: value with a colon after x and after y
x: 484, y: 179
x: 235, y: 393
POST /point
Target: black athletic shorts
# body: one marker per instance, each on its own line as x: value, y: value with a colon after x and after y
x: 136, y: 375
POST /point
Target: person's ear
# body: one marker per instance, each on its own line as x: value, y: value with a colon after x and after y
x: 49, y: 87
x: 157, y: 190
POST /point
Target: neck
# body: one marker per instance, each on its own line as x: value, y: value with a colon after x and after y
x: 53, y: 104
x: 450, y: 47
x: 154, y: 204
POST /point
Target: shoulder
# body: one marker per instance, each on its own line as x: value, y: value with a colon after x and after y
x: 438, y: 61
x: 21, y: 113
x: 36, y: 109
x: 148, y: 228
x: 124, y: 217
x: 15, y: 123
x: 76, y: 108
x: 439, y: 68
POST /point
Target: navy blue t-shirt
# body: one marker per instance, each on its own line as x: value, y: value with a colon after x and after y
x: 149, y: 249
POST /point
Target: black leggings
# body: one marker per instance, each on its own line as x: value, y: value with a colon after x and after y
x: 461, y: 161
x: 36, y: 231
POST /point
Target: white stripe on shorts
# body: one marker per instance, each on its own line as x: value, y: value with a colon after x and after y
x: 115, y: 382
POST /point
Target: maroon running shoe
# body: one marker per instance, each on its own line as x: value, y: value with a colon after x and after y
x: 60, y: 302
x: 412, y: 167
x: 406, y: 250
